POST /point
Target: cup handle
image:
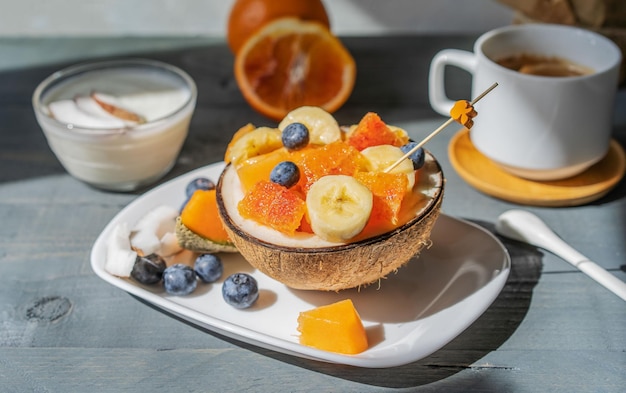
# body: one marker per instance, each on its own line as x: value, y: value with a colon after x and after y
x: 436, y: 86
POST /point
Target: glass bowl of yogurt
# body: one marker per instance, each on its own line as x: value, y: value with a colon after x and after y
x: 117, y: 125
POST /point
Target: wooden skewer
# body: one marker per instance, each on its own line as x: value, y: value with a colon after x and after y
x: 437, y: 131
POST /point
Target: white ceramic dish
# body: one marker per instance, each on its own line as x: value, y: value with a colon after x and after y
x: 411, y: 315
x: 103, y: 150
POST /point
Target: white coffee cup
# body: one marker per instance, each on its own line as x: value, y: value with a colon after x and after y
x: 537, y: 127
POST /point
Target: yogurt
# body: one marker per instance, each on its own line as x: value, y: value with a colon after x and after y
x: 83, y: 112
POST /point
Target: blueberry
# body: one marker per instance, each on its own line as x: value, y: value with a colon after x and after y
x: 285, y: 173
x: 295, y: 136
x: 208, y: 267
x: 148, y: 269
x: 240, y: 290
x: 199, y: 183
x: 417, y: 157
x: 179, y: 280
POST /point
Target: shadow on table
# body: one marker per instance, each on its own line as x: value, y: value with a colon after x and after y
x: 485, y: 335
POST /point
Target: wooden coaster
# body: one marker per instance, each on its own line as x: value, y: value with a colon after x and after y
x: 483, y: 174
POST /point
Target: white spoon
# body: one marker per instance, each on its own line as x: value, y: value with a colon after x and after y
x: 526, y: 227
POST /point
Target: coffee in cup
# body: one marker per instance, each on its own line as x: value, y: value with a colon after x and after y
x: 532, y: 64
x: 537, y: 125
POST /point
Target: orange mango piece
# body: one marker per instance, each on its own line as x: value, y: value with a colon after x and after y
x: 201, y: 216
x: 335, y: 327
x: 259, y: 168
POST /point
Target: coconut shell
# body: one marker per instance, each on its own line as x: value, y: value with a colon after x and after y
x: 337, y: 267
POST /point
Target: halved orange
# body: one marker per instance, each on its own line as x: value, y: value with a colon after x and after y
x: 290, y: 63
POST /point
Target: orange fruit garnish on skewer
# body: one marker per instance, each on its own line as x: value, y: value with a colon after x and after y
x: 248, y: 16
x: 291, y: 63
x: 463, y: 112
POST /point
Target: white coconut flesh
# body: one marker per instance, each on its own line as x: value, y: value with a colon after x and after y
x: 428, y: 183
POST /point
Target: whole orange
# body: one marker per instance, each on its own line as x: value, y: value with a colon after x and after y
x: 247, y: 16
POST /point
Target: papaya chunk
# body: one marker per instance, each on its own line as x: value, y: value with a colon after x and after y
x: 335, y: 327
x: 200, y: 215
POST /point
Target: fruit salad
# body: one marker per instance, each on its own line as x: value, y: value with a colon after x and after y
x: 309, y: 176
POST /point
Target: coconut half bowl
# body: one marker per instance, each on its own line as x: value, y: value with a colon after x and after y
x: 308, y: 262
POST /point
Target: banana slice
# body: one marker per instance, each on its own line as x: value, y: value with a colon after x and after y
x: 323, y: 128
x: 260, y: 141
x: 338, y: 207
x: 381, y: 157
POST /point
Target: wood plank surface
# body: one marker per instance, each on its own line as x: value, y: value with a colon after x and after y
x: 62, y: 329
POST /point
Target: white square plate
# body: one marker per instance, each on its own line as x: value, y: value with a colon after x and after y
x: 410, y: 315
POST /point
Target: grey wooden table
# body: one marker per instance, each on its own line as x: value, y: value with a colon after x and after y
x: 62, y: 329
